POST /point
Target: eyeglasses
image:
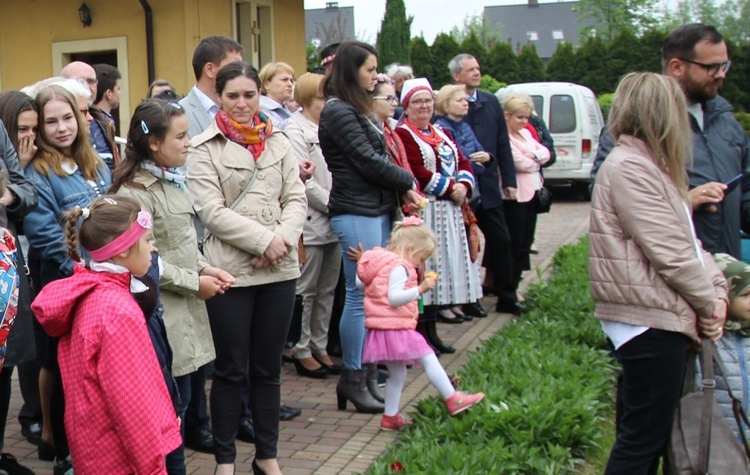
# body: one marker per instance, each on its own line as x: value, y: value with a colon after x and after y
x: 91, y: 80
x: 84, y: 112
x: 711, y: 69
x: 386, y: 98
x: 422, y: 102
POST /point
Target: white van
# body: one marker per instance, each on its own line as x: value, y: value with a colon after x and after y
x: 575, y: 121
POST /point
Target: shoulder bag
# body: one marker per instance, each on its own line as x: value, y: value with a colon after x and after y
x: 702, y: 442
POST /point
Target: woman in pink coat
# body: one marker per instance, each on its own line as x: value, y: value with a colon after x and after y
x: 528, y: 157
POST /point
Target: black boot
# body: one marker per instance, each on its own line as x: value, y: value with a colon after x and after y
x: 352, y: 387
x: 434, y: 340
x: 372, y: 382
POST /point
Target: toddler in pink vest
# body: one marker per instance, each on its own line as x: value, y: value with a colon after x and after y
x: 389, y: 280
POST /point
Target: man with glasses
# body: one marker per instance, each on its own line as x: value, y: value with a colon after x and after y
x: 695, y: 55
x: 102, y: 134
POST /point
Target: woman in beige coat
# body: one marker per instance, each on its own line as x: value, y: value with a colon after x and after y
x: 655, y: 288
x: 245, y: 182
x: 321, y: 271
x: 156, y: 152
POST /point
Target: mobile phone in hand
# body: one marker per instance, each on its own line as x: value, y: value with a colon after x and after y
x: 732, y: 184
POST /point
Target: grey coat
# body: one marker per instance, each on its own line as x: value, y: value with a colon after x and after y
x: 721, y: 152
x: 734, y: 351
x: 21, y: 346
x: 198, y: 118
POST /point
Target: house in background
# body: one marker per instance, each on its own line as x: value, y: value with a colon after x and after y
x: 332, y: 24
x: 145, y: 39
x: 543, y: 24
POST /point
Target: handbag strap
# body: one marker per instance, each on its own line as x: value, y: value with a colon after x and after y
x: 239, y: 197
x: 708, y: 384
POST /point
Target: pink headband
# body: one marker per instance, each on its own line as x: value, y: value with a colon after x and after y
x: 407, y: 97
x: 124, y: 241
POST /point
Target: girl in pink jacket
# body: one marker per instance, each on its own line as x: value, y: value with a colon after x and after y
x: 118, y: 413
x: 389, y: 280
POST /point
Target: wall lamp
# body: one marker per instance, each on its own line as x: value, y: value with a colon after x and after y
x: 84, y: 14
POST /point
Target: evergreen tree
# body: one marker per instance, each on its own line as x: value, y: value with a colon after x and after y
x: 562, y: 65
x: 648, y: 57
x: 502, y: 63
x: 443, y: 50
x: 735, y: 88
x: 530, y: 65
x: 624, y: 56
x: 421, y: 59
x: 474, y: 47
x: 592, y: 62
x: 394, y: 35
x: 618, y: 14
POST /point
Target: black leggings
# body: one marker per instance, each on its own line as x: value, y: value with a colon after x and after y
x: 249, y: 326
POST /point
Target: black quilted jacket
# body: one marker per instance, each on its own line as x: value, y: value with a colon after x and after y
x: 365, y: 181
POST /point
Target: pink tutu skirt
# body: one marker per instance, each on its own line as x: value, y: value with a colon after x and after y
x: 394, y: 345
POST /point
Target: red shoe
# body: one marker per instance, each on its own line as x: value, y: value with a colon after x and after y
x: 459, y: 401
x: 394, y: 422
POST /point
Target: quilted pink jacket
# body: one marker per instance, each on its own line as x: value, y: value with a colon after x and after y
x: 374, y: 270
x: 643, y: 258
x: 118, y: 414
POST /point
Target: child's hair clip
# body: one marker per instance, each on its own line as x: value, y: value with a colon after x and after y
x: 85, y: 212
x: 412, y: 220
x: 144, y: 127
x: 109, y: 201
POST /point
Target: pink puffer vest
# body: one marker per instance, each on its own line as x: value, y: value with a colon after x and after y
x: 374, y: 269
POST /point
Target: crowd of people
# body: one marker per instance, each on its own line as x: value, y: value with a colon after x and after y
x: 364, y: 196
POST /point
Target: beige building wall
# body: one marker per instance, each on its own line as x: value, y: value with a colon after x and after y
x: 29, y: 28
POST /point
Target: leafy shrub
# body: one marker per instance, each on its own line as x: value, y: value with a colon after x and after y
x: 605, y: 102
x: 548, y: 385
x: 490, y: 84
x: 744, y: 119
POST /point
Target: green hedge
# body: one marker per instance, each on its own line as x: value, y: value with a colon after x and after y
x: 744, y: 119
x: 548, y: 384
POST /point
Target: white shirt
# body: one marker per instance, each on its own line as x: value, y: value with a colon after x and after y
x: 696, y: 110
x: 208, y: 104
x: 136, y: 286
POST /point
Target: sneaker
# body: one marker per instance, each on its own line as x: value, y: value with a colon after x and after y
x: 459, y: 402
x: 394, y: 422
x: 63, y: 467
x: 10, y: 466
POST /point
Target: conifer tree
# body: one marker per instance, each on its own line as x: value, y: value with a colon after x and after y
x: 394, y: 35
x: 443, y: 50
x: 502, y: 63
x: 530, y: 65
x: 421, y: 58
x: 562, y: 65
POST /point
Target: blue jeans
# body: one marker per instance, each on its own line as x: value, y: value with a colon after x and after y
x: 353, y: 230
x: 176, y: 459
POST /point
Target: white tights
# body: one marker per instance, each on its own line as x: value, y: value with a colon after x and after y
x: 397, y: 376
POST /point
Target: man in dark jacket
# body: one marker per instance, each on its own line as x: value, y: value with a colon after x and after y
x: 696, y: 56
x: 487, y: 120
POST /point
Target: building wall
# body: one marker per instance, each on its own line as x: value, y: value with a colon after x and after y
x: 28, y: 28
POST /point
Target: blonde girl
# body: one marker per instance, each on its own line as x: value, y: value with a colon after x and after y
x: 389, y: 280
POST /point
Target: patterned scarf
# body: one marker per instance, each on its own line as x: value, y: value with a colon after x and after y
x: 252, y: 136
x: 174, y: 176
x: 395, y: 147
x: 431, y: 137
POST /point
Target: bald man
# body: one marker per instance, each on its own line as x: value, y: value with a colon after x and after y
x: 102, y: 135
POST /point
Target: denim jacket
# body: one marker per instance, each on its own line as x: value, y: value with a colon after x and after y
x: 43, y: 225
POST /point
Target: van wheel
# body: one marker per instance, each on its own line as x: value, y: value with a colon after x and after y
x: 583, y: 190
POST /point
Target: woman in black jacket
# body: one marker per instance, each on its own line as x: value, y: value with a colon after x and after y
x: 367, y: 189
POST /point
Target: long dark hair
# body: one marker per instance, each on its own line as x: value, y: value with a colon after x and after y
x: 12, y: 103
x: 150, y: 121
x: 343, y: 81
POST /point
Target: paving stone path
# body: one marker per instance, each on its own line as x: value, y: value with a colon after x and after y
x: 324, y: 440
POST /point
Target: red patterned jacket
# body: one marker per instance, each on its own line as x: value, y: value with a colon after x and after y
x: 118, y: 414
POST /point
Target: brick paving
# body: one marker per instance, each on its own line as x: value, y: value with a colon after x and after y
x: 324, y: 440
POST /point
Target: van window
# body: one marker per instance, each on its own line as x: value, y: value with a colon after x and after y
x: 594, y: 112
x: 562, y: 114
x: 538, y: 105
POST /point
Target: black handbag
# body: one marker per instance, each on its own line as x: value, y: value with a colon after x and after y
x: 702, y: 442
x: 545, y: 200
